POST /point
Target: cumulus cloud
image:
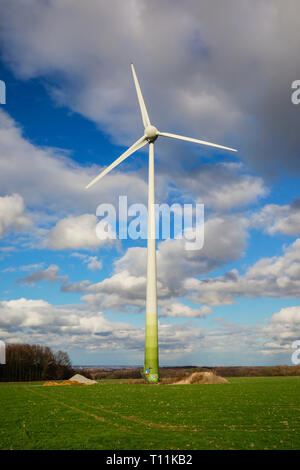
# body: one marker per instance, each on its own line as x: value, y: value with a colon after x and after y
x: 224, y: 241
x: 125, y: 289
x: 92, y: 262
x: 278, y: 276
x: 12, y: 214
x: 78, y: 233
x: 75, y: 326
x: 51, y: 274
x: 282, y: 330
x: 222, y: 186
x: 121, y: 291
x: 71, y: 325
x: 78, y: 326
x: 274, y: 218
x: 177, y: 309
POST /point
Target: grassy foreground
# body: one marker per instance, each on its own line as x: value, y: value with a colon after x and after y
x: 248, y: 413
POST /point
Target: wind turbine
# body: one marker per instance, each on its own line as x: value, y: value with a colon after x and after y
x: 150, y: 135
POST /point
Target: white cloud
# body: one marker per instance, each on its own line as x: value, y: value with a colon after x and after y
x: 278, y: 276
x: 51, y: 274
x: 78, y: 326
x: 126, y: 288
x: 274, y: 218
x: 12, y: 216
x: 282, y: 329
x: 77, y: 233
x: 121, y: 291
x: 222, y: 186
x: 288, y: 315
x: 179, y: 310
x: 224, y: 241
x: 92, y: 262
x: 73, y: 326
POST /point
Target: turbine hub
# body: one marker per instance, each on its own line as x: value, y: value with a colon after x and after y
x: 151, y: 133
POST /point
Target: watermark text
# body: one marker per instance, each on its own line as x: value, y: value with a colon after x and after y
x: 2, y: 352
x: 171, y: 221
x: 295, y: 96
x: 2, y: 92
x: 296, y: 354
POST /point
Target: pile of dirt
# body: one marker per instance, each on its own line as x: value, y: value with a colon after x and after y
x: 65, y: 382
x: 80, y: 379
x: 75, y: 380
x: 70, y: 382
x: 202, y: 378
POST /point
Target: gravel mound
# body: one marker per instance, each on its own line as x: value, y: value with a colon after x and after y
x: 82, y: 380
x: 202, y: 378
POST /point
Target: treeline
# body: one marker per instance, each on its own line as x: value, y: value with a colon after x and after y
x: 258, y: 371
x: 98, y: 373
x: 30, y: 362
x: 182, y: 372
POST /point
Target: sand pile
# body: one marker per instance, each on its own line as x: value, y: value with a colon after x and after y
x: 202, y: 378
x: 65, y: 382
x: 77, y: 379
x: 82, y: 380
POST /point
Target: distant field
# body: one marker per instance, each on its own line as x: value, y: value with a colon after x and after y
x: 248, y: 413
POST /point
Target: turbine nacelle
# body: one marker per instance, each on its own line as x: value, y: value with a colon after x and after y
x: 151, y: 133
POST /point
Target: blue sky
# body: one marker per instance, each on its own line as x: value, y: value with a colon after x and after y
x: 71, y: 110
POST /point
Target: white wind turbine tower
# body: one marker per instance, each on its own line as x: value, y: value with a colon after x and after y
x: 150, y: 135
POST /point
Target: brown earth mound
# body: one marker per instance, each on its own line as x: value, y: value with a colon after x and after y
x: 70, y: 382
x: 65, y: 382
x: 50, y: 384
x: 202, y: 378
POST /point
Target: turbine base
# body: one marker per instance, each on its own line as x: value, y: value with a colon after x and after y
x: 150, y: 376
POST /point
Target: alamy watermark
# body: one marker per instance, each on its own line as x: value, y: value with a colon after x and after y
x: 296, y: 354
x: 2, y: 92
x: 176, y: 221
x: 2, y: 352
x: 295, y: 96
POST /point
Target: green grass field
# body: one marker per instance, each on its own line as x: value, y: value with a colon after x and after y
x: 248, y: 413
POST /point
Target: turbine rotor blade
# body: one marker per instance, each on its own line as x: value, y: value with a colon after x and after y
x: 136, y: 146
x: 196, y: 141
x: 145, y: 117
